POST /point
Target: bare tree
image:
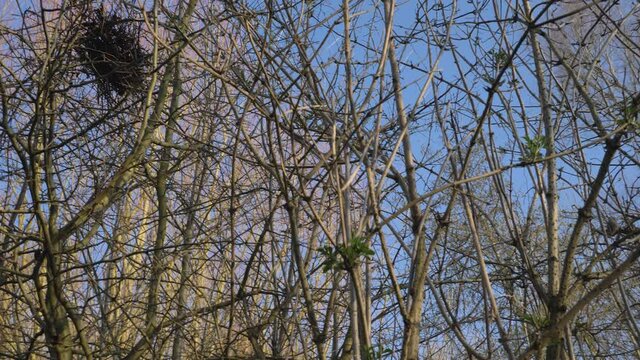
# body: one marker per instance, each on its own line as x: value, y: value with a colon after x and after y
x: 306, y: 179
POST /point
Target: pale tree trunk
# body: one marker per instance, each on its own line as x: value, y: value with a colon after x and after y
x: 185, y: 270
x: 231, y: 258
x: 157, y: 264
x: 411, y: 337
x: 358, y: 304
x: 59, y: 333
x: 126, y: 287
x: 11, y: 344
x: 554, y: 302
x: 113, y: 284
x: 170, y: 81
x: 292, y: 207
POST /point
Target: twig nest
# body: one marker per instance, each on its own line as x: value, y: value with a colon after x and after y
x: 110, y: 52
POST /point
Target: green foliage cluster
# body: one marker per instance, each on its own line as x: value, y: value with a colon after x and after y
x: 499, y: 57
x: 629, y: 116
x: 377, y: 353
x: 533, y: 148
x: 345, y: 257
x: 539, y: 321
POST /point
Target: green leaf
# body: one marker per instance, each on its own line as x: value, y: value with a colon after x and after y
x: 533, y: 148
x: 343, y: 257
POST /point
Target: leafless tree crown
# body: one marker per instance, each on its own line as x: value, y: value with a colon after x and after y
x: 288, y: 179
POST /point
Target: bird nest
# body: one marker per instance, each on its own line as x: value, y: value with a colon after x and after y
x: 111, y: 53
